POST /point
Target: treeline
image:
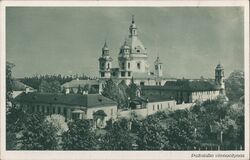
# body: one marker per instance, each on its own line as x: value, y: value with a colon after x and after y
x: 35, y: 81
x: 214, y: 125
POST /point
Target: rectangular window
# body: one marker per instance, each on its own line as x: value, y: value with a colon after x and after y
x: 102, y: 74
x: 138, y: 66
x: 153, y: 107
x: 142, y: 83
x: 128, y: 65
x: 158, y: 107
x: 123, y: 74
x: 129, y: 74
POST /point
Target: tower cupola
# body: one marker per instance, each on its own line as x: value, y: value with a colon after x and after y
x: 133, y: 28
x: 105, y: 50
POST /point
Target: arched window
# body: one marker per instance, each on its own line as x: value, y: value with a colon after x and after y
x: 128, y: 65
x: 108, y: 66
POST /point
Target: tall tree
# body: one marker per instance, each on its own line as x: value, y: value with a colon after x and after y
x: 9, y: 84
x: 50, y: 87
x: 151, y: 135
x: 118, y: 136
x: 234, y: 85
x: 79, y: 136
x: 37, y: 134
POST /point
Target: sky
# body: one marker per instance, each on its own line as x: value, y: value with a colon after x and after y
x: 190, y: 41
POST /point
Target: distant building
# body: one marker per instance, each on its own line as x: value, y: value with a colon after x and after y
x: 184, y: 91
x: 143, y: 107
x: 19, y: 87
x: 94, y: 107
x: 81, y: 86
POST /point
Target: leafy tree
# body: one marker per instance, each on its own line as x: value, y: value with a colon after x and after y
x: 112, y: 91
x: 10, y: 136
x: 9, y: 84
x: 234, y: 85
x: 151, y: 135
x: 118, y: 136
x: 37, y: 134
x: 79, y: 136
x: 50, y: 87
x: 132, y: 90
x: 58, y: 122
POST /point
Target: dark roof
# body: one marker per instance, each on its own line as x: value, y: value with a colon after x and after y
x: 81, y: 83
x: 186, y: 85
x: 88, y: 100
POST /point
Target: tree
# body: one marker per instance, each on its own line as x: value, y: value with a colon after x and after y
x: 37, y: 134
x: 181, y: 130
x: 10, y: 135
x: 151, y: 135
x: 118, y: 136
x: 132, y: 90
x: 50, y: 87
x: 9, y: 84
x: 112, y: 91
x: 79, y: 136
x: 234, y: 85
x: 58, y: 122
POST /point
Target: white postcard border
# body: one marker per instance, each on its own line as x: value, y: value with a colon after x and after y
x: 112, y: 155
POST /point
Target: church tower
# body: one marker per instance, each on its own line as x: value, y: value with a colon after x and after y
x: 124, y: 61
x: 133, y: 55
x: 158, y: 67
x: 105, y: 62
x: 219, y: 78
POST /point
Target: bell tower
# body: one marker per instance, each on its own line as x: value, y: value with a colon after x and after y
x: 158, y: 67
x: 219, y: 78
x: 105, y: 62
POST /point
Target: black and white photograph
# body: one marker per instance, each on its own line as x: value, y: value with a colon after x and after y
x: 107, y: 78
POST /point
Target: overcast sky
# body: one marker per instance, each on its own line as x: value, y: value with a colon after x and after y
x: 190, y: 41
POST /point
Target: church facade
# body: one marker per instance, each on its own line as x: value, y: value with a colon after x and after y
x: 132, y: 62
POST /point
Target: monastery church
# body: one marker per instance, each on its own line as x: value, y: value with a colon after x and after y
x: 132, y: 62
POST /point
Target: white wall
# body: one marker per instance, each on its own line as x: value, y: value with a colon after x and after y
x: 205, y: 95
x: 106, y: 109
x: 154, y: 107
